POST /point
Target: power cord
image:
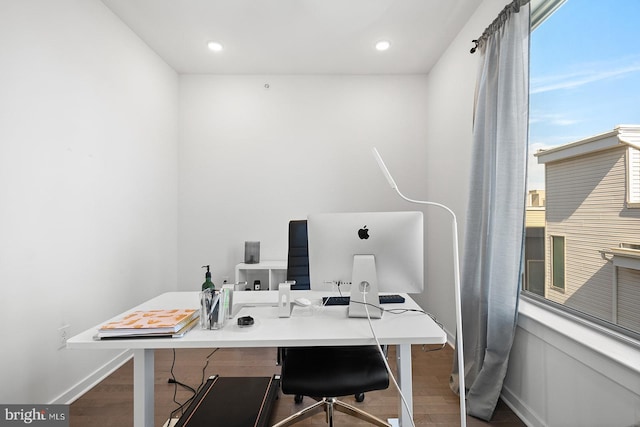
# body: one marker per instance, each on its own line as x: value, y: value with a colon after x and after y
x: 176, y: 383
x: 188, y: 387
x: 172, y: 380
x: 204, y: 368
x: 336, y: 286
x: 384, y: 359
x: 375, y: 337
x: 402, y: 311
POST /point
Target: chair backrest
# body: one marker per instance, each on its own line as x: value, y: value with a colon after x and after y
x: 298, y: 256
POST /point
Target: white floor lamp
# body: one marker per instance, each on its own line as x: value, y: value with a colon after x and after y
x: 456, y: 277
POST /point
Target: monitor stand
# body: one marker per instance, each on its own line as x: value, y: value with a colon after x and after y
x: 364, y: 278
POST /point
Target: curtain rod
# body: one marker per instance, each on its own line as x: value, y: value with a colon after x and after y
x: 513, y: 7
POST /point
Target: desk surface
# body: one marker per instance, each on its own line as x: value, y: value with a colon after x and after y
x: 307, y: 326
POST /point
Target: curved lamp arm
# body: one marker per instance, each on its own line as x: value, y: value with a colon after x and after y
x: 456, y: 277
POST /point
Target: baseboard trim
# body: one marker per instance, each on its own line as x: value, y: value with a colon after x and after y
x: 451, y: 338
x: 520, y: 409
x: 76, y: 391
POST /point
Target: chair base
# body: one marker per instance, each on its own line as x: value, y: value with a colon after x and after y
x: 329, y: 405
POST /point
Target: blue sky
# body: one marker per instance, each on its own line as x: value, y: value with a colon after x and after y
x: 585, y: 74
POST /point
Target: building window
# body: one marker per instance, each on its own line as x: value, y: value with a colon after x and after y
x: 535, y: 276
x: 557, y: 262
x: 584, y: 166
x: 633, y: 177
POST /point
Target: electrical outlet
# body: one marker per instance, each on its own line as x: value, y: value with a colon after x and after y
x: 63, y: 336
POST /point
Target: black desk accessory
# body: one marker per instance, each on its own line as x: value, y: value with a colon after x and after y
x: 344, y: 300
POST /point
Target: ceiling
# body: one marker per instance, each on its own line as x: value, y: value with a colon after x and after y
x: 296, y: 36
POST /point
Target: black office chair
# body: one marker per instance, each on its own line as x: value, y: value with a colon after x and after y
x: 325, y: 373
x: 298, y: 255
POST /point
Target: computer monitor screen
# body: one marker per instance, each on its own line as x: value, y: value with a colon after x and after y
x: 395, y: 239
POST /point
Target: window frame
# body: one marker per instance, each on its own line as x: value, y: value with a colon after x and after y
x: 633, y: 177
x: 552, y: 266
x: 602, y: 329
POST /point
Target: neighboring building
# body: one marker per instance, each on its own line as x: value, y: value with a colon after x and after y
x: 536, y: 198
x: 534, y: 242
x: 592, y: 234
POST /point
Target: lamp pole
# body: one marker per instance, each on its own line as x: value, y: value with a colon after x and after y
x: 456, y: 278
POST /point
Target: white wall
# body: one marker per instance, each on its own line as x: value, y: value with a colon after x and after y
x: 252, y: 158
x: 563, y: 373
x: 556, y: 376
x: 88, y: 189
x: 450, y: 86
x: 88, y: 184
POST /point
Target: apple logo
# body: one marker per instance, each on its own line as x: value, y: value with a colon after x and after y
x: 363, y: 233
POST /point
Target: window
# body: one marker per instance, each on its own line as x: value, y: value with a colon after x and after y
x: 583, y: 209
x: 557, y: 262
x: 633, y: 177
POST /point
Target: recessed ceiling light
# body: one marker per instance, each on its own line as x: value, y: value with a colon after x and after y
x: 383, y: 45
x: 214, y: 46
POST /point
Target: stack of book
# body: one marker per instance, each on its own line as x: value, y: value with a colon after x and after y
x: 151, y: 323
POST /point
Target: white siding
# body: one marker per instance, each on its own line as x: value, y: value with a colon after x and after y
x: 586, y: 203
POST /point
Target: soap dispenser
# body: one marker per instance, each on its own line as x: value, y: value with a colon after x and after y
x: 208, y: 284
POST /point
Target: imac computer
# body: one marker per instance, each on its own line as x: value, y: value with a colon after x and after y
x: 367, y: 253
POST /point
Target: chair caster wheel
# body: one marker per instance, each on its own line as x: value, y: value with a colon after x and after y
x: 298, y: 398
x: 359, y: 397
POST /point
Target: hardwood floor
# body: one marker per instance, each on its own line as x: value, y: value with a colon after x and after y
x: 110, y: 403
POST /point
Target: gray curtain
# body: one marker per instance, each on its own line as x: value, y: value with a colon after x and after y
x: 493, y: 248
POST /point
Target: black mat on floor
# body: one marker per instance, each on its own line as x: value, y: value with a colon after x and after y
x: 232, y: 402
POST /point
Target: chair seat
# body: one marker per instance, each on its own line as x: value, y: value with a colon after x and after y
x: 333, y: 371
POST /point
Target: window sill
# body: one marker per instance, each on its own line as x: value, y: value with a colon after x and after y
x: 557, y: 289
x: 613, y: 355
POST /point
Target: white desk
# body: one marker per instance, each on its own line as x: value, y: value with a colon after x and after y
x: 309, y: 326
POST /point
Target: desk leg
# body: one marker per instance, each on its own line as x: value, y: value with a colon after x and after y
x: 143, y: 392
x: 405, y: 381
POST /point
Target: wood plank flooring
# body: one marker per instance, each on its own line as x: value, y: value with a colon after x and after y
x: 110, y: 403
